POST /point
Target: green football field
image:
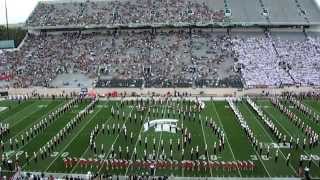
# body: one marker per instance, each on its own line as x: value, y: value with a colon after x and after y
x: 24, y: 115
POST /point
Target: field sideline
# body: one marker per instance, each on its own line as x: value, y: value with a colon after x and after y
x: 21, y: 116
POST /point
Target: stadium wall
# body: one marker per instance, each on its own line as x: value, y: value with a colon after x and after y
x: 215, y: 25
x: 214, y: 92
x: 213, y: 30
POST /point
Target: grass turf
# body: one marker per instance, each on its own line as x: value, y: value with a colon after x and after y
x: 25, y: 114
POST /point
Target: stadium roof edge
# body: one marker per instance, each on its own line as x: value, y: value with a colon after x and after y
x: 228, y: 22
x: 216, y: 25
x: 69, y: 1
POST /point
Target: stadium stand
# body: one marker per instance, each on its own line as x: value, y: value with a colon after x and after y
x: 141, y: 13
x: 109, y: 13
x: 162, y: 59
x: 244, y: 74
x: 138, y: 55
x: 165, y: 59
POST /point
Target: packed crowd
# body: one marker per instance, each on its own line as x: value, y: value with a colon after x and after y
x: 300, y: 59
x: 110, y: 13
x: 276, y: 62
x: 260, y: 65
x: 164, y: 58
x: 160, y: 59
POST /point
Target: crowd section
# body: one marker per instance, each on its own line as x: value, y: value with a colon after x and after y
x: 266, y: 61
x: 259, y: 62
x: 164, y: 58
x: 137, y: 12
x: 156, y: 59
x: 301, y: 59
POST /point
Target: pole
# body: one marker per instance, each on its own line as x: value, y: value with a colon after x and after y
x: 5, y: 3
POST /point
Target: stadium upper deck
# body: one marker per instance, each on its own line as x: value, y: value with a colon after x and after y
x: 150, y: 13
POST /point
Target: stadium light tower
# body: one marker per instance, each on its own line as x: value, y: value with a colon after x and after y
x: 6, y: 10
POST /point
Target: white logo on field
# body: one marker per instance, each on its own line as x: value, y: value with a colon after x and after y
x: 311, y: 157
x: 280, y: 145
x: 214, y: 157
x: 263, y: 157
x: 102, y: 106
x: 3, y: 108
x: 166, y: 125
x: 9, y: 153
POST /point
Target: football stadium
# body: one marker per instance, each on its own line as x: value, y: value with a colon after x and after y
x: 163, y: 89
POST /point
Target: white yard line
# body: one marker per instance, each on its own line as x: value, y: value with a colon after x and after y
x: 205, y: 141
x: 288, y: 133
x: 304, y: 117
x: 27, y: 142
x: 26, y: 163
x: 262, y: 163
x: 85, y: 152
x: 268, y: 135
x: 74, y: 167
x: 24, y: 117
x: 74, y: 137
x: 165, y: 111
x: 314, y: 110
x: 34, y: 123
x: 18, y: 113
x: 255, y: 151
x: 158, y: 149
x: 140, y: 132
x: 182, y: 169
x: 109, y: 151
x: 225, y: 135
x: 113, y: 144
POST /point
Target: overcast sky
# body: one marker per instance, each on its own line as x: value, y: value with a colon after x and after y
x: 19, y: 10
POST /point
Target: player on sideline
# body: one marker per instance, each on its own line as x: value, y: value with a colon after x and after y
x: 276, y: 156
x: 288, y: 159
